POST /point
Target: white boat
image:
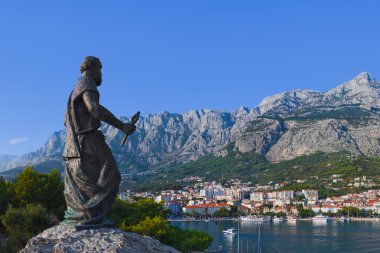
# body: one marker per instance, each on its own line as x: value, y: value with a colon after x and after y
x: 321, y: 218
x: 278, y: 219
x: 345, y: 219
x: 292, y: 219
x: 255, y: 218
x: 230, y: 231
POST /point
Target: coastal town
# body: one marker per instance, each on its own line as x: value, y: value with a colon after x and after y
x: 207, y: 199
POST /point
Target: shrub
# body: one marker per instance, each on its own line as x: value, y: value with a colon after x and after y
x: 24, y: 223
x: 146, y: 217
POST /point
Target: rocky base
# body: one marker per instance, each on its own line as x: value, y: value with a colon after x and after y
x: 64, y: 239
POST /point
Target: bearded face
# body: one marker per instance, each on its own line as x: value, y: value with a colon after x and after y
x: 97, y: 75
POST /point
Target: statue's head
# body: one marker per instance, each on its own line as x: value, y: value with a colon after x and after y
x: 92, y: 65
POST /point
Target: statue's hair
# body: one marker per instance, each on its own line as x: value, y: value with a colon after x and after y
x: 90, y: 62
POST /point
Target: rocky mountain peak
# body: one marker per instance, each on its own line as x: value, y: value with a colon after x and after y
x: 289, y: 100
x: 363, y: 79
x: 282, y: 126
x: 243, y: 109
x: 362, y: 89
x: 241, y: 112
x: 4, y: 161
x: 359, y: 83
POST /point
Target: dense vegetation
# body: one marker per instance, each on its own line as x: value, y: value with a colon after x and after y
x: 28, y: 205
x: 250, y: 167
x: 353, y: 113
x: 34, y: 202
x: 349, y: 113
x: 149, y: 218
x: 44, y: 167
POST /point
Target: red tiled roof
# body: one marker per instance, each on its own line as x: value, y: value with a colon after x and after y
x: 372, y: 202
x: 330, y: 206
x: 209, y: 205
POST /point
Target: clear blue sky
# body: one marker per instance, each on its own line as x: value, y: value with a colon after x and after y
x: 173, y: 55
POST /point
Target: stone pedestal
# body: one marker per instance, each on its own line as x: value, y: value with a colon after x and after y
x: 64, y: 239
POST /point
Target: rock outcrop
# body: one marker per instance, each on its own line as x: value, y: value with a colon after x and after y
x: 282, y: 126
x: 62, y: 239
x: 5, y: 161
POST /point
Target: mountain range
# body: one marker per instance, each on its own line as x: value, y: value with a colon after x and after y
x: 281, y: 127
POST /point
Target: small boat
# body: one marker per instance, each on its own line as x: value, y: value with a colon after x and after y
x: 345, y: 219
x: 230, y: 231
x: 320, y: 218
x: 278, y: 219
x: 255, y: 218
x: 292, y: 219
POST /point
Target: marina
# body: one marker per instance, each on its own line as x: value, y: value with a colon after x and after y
x: 291, y: 237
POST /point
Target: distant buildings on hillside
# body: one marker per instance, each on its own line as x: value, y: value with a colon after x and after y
x: 209, y: 197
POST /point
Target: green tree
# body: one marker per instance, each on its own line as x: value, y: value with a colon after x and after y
x: 352, y: 212
x: 183, y: 240
x: 299, y: 197
x: 235, y: 211
x: 206, y: 213
x: 156, y: 227
x: 126, y: 213
x: 149, y: 218
x: 5, y: 199
x: 222, y: 212
x: 304, y: 213
x: 30, y: 187
x: 4, y: 196
x: 23, y: 223
x: 30, y: 204
x: 46, y: 189
x: 55, y: 200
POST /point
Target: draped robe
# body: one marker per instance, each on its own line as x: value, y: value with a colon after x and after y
x: 91, y: 175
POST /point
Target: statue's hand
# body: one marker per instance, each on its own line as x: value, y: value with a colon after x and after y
x: 129, y: 128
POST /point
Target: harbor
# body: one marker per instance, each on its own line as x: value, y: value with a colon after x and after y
x: 288, y: 237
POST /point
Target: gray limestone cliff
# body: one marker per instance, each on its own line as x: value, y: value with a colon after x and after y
x: 281, y: 127
x: 5, y: 161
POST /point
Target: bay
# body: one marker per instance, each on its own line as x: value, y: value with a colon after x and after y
x: 303, y: 236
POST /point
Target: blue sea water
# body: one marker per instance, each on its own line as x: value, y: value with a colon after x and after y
x: 302, y: 237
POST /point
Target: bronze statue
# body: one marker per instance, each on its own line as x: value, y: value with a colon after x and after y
x: 91, y: 175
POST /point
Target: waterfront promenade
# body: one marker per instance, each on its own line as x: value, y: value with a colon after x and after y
x: 372, y: 219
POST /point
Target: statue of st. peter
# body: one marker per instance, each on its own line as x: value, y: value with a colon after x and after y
x: 91, y: 176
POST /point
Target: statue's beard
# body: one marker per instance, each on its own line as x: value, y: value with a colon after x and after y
x: 98, y: 79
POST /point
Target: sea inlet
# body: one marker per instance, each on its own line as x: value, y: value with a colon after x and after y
x: 284, y: 237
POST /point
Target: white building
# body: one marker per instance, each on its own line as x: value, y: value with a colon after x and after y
x: 205, y: 208
x: 257, y: 196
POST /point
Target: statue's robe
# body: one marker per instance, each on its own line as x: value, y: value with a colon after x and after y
x: 91, y: 175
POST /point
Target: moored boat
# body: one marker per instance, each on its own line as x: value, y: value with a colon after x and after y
x: 291, y: 219
x: 344, y: 219
x: 278, y: 219
x: 255, y: 218
x: 230, y: 231
x: 321, y: 218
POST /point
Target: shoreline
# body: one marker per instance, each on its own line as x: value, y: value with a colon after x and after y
x: 356, y: 219
x: 204, y: 220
